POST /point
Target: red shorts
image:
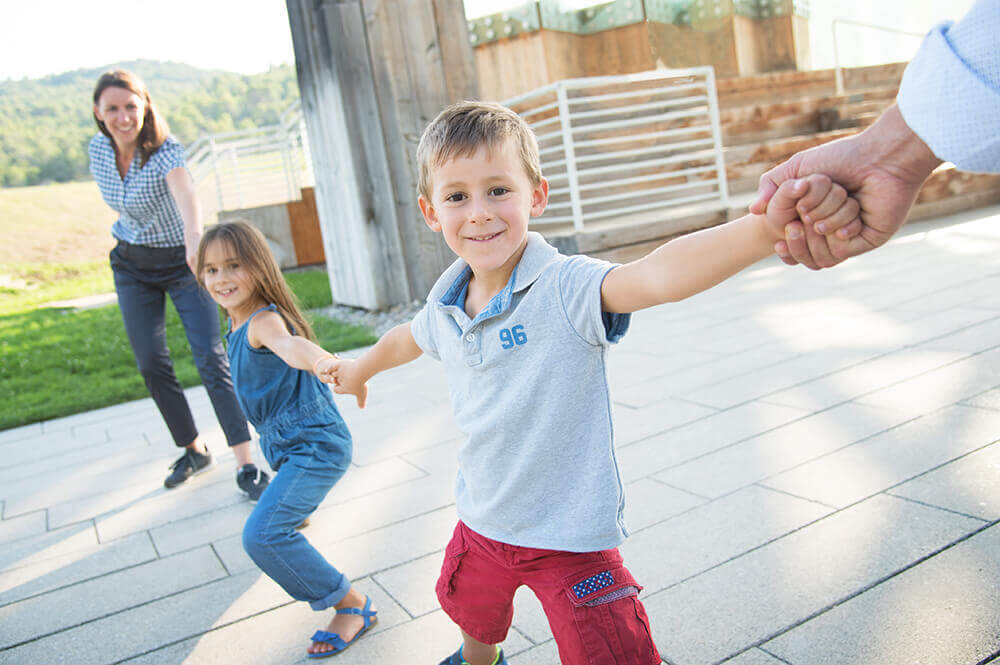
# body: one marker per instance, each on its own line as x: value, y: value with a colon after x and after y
x: 590, y: 599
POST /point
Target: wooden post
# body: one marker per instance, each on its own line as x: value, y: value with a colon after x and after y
x: 372, y: 74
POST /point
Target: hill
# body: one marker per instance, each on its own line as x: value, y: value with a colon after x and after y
x: 45, y: 123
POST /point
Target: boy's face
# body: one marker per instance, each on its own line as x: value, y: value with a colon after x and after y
x: 482, y: 204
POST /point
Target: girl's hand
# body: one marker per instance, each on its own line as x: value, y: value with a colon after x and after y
x: 344, y: 376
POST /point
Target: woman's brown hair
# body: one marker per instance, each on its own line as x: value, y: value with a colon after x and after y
x: 251, y: 250
x: 154, y: 127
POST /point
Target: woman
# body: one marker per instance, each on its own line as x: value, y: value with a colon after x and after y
x: 140, y: 171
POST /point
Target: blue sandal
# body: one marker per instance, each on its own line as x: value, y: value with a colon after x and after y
x: 456, y: 658
x: 333, y: 639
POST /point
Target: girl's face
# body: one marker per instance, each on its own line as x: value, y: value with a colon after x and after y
x: 228, y: 282
x: 121, y: 111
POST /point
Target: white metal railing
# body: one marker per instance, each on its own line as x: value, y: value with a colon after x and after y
x: 614, y: 146
x: 837, y: 69
x: 252, y: 167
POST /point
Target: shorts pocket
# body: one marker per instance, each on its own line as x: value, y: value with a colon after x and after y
x: 612, y: 623
x: 457, y: 548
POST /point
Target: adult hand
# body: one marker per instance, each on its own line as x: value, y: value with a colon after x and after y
x: 882, y: 168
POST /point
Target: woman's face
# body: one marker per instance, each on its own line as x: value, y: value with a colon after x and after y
x: 121, y: 111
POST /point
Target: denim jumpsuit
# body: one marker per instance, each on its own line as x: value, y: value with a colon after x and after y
x: 305, y: 440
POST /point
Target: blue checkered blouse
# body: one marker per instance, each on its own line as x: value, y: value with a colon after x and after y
x: 149, y: 214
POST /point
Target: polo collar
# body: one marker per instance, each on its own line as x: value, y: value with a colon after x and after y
x: 454, y: 283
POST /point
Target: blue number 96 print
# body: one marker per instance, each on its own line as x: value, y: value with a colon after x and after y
x: 509, y: 337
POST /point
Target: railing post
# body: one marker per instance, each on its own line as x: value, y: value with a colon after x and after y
x: 838, y: 73
x: 236, y: 174
x: 570, y: 152
x: 291, y: 179
x: 720, y: 157
x: 215, y: 172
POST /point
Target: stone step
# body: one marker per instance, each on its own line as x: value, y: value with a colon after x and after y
x: 790, y: 85
x: 762, y: 122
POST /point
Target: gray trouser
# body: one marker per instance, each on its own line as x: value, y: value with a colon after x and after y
x: 143, y: 278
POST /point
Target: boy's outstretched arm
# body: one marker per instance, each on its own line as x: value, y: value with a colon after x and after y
x: 350, y: 377
x: 695, y: 262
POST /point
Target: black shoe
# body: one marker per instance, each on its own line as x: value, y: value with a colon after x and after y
x: 187, y: 465
x: 252, y: 481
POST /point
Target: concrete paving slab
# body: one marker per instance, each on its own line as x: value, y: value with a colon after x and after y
x: 33, y: 549
x: 78, y: 566
x: 287, y: 627
x: 15, y: 528
x: 968, y: 485
x: 67, y: 423
x: 680, y: 384
x: 976, y: 338
x: 766, y: 455
x: 15, y: 453
x: 941, y: 387
x: 211, y: 489
x: 153, y: 625
x: 854, y: 382
x: 86, y: 483
x: 989, y: 399
x: 20, y: 433
x: 649, y: 502
x: 412, y: 584
x: 633, y: 425
x: 679, y: 445
x: 943, y: 611
x: 377, y: 437
x: 751, y: 599
x: 777, y: 377
x: 40, y: 616
x: 755, y: 657
x: 712, y: 534
x: 544, y: 654
x: 68, y: 461
x: 885, y: 460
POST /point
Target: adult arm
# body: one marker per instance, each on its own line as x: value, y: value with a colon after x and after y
x: 181, y: 187
x: 882, y: 168
x: 948, y: 109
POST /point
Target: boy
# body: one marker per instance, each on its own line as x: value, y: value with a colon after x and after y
x: 523, y: 332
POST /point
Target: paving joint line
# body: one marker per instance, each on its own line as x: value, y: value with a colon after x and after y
x: 864, y: 589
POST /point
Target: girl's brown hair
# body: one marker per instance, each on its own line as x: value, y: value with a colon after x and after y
x: 154, y: 127
x: 251, y: 250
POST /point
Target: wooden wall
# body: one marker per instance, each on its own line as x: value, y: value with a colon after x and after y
x: 734, y: 45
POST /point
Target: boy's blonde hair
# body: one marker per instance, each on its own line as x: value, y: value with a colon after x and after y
x: 463, y: 128
x: 251, y: 250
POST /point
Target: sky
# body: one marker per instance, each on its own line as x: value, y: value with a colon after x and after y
x: 42, y: 37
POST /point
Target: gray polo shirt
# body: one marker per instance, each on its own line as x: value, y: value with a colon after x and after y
x: 528, y: 384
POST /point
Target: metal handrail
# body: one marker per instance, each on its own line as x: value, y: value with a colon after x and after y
x: 611, y: 142
x: 837, y: 69
x: 251, y: 167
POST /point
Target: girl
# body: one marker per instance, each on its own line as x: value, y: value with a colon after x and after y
x: 304, y: 439
x: 140, y: 171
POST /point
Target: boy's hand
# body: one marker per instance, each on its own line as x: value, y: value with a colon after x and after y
x: 811, y: 200
x: 346, y: 380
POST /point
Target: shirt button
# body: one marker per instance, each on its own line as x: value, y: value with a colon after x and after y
x: 470, y: 337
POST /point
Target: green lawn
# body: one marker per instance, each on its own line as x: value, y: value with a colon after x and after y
x: 56, y: 362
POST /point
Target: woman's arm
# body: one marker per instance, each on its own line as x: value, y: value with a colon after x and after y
x: 182, y: 189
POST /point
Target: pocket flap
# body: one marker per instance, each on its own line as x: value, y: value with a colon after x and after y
x: 602, y: 586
